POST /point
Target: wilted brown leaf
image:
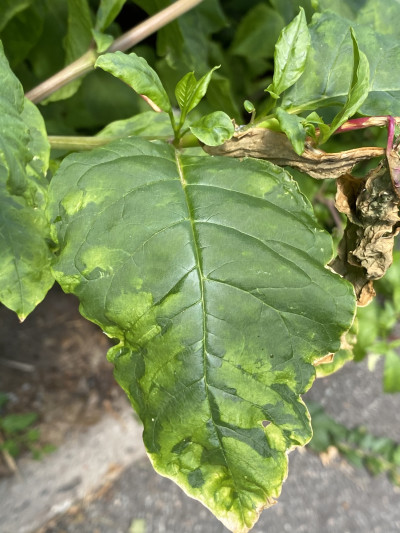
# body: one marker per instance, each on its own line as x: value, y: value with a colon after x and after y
x: 276, y: 147
x: 366, y: 249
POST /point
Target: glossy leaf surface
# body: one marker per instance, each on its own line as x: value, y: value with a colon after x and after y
x: 210, y: 271
x: 290, y: 55
x: 137, y: 73
x: 213, y: 129
x: 325, y: 81
x: 358, y: 91
x: 25, y: 275
x: 189, y: 91
x: 107, y: 12
x: 381, y: 15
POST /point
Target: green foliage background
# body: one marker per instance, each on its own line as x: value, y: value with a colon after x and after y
x: 208, y: 272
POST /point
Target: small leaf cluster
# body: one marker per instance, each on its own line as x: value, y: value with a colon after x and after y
x: 360, y: 448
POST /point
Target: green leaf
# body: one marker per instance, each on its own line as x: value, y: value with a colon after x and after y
x: 289, y: 8
x: 107, y: 12
x: 22, y: 32
x: 358, y: 91
x: 391, y: 372
x: 213, y: 129
x: 12, y: 424
x: 380, y: 15
x: 340, y: 359
x: 136, y: 72
x: 312, y: 120
x: 147, y: 124
x: 292, y: 125
x: 189, y: 91
x: 25, y: 275
x: 257, y: 33
x: 290, y: 55
x: 185, y: 43
x: 211, y: 273
x: 249, y: 106
x: 10, y: 8
x: 102, y: 40
x: 329, y: 66
x: 76, y: 43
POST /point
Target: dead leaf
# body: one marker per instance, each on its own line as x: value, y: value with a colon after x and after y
x: 366, y: 249
x: 274, y: 146
x: 324, y: 360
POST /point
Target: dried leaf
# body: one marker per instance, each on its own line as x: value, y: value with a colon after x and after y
x: 393, y: 159
x: 366, y: 249
x: 262, y: 143
x: 325, y: 360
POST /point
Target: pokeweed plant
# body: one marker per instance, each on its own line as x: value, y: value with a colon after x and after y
x: 211, y: 273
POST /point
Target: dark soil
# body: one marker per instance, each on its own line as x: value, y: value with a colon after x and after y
x: 54, y: 364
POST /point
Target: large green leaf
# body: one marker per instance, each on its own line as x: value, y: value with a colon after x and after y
x: 381, y: 15
x: 328, y: 70
x: 210, y: 271
x: 25, y: 275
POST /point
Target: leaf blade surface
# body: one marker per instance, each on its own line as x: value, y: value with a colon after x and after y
x: 25, y: 275
x: 194, y: 264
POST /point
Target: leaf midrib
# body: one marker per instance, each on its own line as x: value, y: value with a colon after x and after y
x: 204, y: 320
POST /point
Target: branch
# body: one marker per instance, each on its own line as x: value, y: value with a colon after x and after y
x: 81, y: 143
x: 85, y: 63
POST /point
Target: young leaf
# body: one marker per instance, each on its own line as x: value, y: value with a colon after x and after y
x: 312, y: 120
x: 290, y: 55
x: 292, y: 125
x: 358, y: 91
x: 25, y: 275
x: 211, y: 272
x: 102, y: 40
x: 107, y: 12
x: 189, y: 91
x: 249, y: 106
x: 137, y: 73
x: 213, y: 129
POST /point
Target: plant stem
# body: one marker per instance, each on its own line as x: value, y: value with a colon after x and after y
x: 80, y: 143
x: 86, y: 62
x: 75, y: 143
x: 75, y: 70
